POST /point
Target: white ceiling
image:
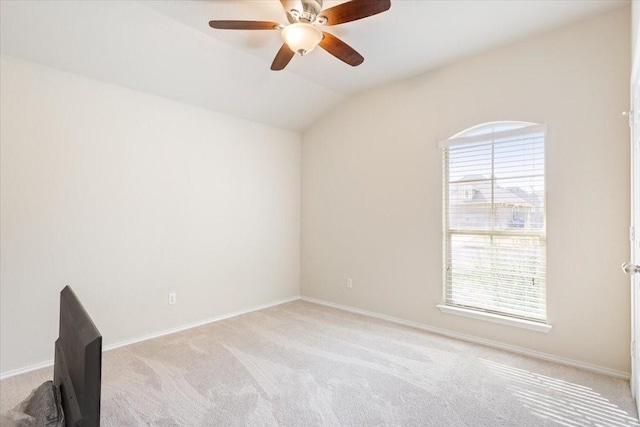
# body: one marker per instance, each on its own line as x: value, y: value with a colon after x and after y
x: 167, y: 48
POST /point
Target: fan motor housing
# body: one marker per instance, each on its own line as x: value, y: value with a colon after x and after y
x: 310, y: 9
x: 312, y: 6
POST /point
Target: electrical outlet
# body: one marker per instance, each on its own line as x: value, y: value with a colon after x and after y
x: 172, y: 298
x: 349, y: 283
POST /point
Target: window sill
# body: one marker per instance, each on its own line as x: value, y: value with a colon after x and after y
x: 495, y: 318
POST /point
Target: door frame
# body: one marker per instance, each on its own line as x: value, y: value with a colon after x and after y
x: 634, y: 231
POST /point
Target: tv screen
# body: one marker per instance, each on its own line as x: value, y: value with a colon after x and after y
x: 78, y: 363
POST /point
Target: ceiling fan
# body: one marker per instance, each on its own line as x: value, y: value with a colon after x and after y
x: 303, y: 32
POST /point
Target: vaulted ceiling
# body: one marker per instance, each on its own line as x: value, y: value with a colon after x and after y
x: 167, y: 48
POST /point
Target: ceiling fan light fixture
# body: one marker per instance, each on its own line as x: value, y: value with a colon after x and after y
x: 303, y: 33
x: 301, y: 37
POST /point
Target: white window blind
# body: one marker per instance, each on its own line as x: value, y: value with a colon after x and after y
x: 494, y: 220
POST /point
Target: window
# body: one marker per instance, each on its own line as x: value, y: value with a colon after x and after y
x: 494, y: 248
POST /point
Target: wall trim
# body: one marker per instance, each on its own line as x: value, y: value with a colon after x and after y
x: 26, y: 369
x: 495, y: 344
x: 469, y: 338
x: 110, y: 347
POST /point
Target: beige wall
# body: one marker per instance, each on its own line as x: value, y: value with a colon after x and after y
x: 371, y: 187
x: 635, y: 20
x: 126, y: 197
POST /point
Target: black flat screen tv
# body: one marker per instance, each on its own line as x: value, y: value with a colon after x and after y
x: 78, y: 363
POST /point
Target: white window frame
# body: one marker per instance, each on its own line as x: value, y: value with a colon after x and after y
x: 474, y: 135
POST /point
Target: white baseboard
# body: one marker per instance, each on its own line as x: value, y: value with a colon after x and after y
x: 196, y: 324
x: 26, y: 369
x: 456, y: 335
x: 495, y: 344
x: 49, y: 363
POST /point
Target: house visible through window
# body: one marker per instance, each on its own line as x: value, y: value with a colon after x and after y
x: 468, y: 194
x: 494, y: 220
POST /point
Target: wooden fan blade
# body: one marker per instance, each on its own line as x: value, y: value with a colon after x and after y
x: 354, y: 10
x: 290, y: 18
x: 283, y: 57
x: 244, y: 25
x: 340, y: 50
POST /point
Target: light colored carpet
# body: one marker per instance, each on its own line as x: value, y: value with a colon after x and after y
x: 301, y: 364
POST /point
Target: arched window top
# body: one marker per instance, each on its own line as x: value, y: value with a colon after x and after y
x: 491, y: 127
